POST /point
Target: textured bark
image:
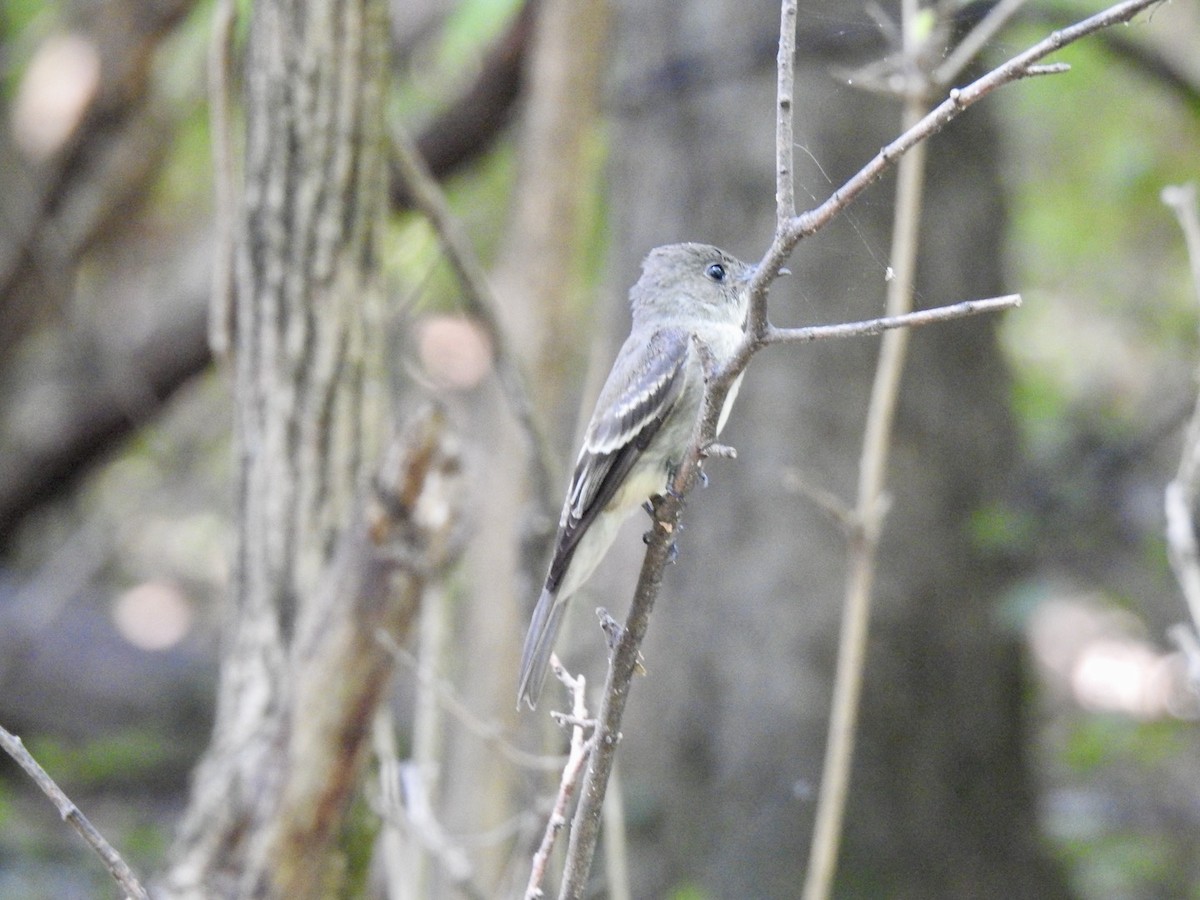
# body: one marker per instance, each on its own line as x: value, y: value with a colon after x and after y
x: 723, y: 740
x: 306, y: 343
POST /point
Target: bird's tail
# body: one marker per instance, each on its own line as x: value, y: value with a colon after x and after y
x: 539, y: 644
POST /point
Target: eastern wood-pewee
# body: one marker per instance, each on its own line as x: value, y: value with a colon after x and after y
x: 643, y: 420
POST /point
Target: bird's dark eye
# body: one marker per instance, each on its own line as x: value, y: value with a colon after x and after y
x: 715, y: 272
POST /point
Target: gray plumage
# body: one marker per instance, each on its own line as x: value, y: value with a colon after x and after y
x: 642, y: 423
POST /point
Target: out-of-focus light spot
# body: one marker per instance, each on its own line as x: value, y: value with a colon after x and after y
x: 455, y: 352
x: 60, y: 82
x: 1125, y: 676
x: 153, y: 616
x: 1097, y: 656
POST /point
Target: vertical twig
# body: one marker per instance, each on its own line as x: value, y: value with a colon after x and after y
x: 581, y: 748
x: 221, y: 302
x: 869, y: 512
x: 785, y: 98
x: 1180, y: 495
x: 427, y: 725
x: 392, y: 847
x: 72, y: 815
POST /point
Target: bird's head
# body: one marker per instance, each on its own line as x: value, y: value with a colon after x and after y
x: 690, y: 281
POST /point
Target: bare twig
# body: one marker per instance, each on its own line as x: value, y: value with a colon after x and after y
x: 1182, y: 199
x: 958, y: 101
x: 391, y: 847
x: 73, y: 816
x: 1180, y: 495
x: 869, y: 327
x: 790, y: 230
x: 785, y: 92
x: 581, y: 747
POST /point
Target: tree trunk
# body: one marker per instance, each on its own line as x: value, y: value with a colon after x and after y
x: 307, y: 346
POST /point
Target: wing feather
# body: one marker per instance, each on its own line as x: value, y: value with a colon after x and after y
x: 628, y: 415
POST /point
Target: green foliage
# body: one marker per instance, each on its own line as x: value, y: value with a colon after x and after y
x: 471, y: 24
x: 125, y: 756
x: 357, y: 844
x: 1118, y: 864
x: 411, y: 253
x: 1105, y: 740
x: 1101, y: 260
x: 1000, y: 528
x: 6, y: 810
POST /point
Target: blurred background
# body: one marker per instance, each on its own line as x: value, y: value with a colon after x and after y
x: 1028, y: 728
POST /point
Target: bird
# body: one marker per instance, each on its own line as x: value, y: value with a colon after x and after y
x: 688, y: 294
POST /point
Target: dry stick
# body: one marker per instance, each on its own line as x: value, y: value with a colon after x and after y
x: 581, y: 748
x: 867, y: 518
x: 759, y: 332
x: 71, y: 814
x: 1180, y: 494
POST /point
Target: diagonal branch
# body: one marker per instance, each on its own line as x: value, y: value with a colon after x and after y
x: 71, y: 814
x: 428, y: 198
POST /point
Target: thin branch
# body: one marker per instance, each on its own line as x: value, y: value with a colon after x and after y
x: 586, y: 824
x: 480, y: 301
x: 1041, y: 69
x: 404, y: 535
x: 868, y: 327
x: 959, y: 100
x: 72, y: 815
x: 785, y: 142
x: 870, y: 502
x: 1182, y: 198
x: 581, y: 748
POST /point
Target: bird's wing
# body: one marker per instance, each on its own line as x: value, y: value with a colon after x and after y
x: 628, y: 415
